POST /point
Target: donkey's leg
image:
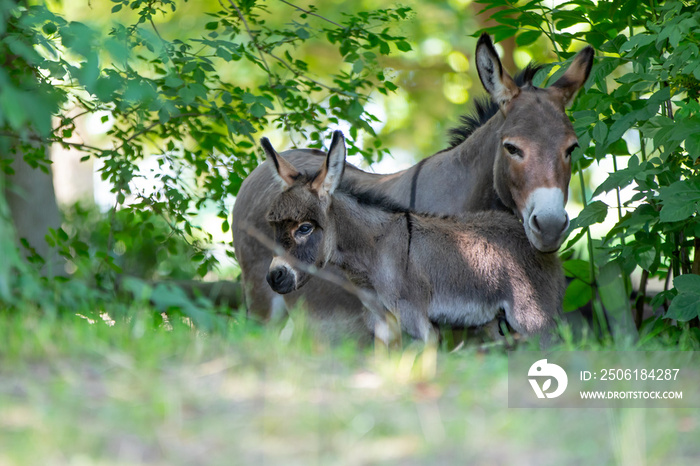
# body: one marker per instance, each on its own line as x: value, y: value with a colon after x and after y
x: 331, y: 309
x: 384, y: 324
x: 415, y: 321
x: 529, y: 318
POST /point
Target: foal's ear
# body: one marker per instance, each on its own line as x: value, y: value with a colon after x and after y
x: 332, y: 171
x: 576, y: 76
x: 494, y: 78
x: 284, y: 171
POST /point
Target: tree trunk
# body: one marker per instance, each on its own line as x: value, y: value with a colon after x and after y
x: 32, y: 203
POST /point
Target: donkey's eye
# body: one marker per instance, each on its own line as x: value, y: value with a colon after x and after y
x: 513, y: 149
x: 571, y: 149
x: 304, y: 229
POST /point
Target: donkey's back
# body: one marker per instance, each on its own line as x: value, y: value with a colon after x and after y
x: 482, y: 263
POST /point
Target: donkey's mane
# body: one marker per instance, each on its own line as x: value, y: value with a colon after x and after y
x: 485, y: 108
x: 371, y: 198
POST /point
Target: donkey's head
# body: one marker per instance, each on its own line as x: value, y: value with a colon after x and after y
x: 299, y: 216
x: 532, y: 168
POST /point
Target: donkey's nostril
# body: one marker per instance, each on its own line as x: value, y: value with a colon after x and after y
x: 550, y: 225
x: 282, y: 280
x: 565, y: 225
x: 275, y: 277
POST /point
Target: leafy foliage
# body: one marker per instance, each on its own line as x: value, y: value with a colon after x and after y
x: 641, y: 102
x: 184, y: 102
x: 187, y: 103
x: 195, y: 103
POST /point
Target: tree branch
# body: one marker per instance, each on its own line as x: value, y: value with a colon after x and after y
x: 253, y: 39
x: 311, y: 13
x: 262, y: 52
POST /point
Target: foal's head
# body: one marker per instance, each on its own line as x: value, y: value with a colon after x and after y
x: 533, y: 163
x: 299, y: 216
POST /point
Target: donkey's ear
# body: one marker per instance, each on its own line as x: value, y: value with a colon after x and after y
x: 284, y: 171
x: 576, y: 76
x: 494, y: 78
x: 332, y: 171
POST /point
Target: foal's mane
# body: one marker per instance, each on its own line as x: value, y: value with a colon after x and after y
x: 485, y: 108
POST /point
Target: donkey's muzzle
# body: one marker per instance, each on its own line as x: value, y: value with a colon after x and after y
x: 548, y: 230
x: 281, y: 279
x: 545, y: 219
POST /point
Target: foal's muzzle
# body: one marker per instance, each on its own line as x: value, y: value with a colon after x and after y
x: 281, y: 279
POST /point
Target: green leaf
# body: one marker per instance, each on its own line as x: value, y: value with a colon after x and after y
x: 620, y: 178
x: 577, y: 295
x: 189, y: 67
x: 403, y: 46
x: 49, y: 28
x: 390, y: 86
x: 504, y: 34
x: 266, y: 102
x: 595, y: 212
x: 639, y: 40
x: 258, y: 110
x: 355, y: 110
x: 684, y: 307
x: 578, y: 268
x: 600, y: 133
x: 384, y: 48
x: 358, y: 66
x: 645, y: 256
x: 223, y: 53
x: 527, y: 38
x: 680, y: 200
x: 13, y: 107
x: 692, y: 145
x: 687, y: 283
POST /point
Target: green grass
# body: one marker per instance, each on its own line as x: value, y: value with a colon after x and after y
x: 72, y: 392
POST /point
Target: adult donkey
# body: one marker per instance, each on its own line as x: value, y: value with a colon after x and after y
x: 518, y: 159
x: 421, y: 268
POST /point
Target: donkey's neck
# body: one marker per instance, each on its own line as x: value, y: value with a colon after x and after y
x: 478, y: 155
x: 453, y: 181
x: 357, y: 228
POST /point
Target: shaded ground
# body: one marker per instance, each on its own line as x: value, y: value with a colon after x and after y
x: 78, y: 393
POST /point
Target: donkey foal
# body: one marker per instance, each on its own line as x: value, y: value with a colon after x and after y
x: 425, y: 269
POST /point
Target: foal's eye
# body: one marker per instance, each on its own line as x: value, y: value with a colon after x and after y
x: 571, y: 149
x: 513, y: 150
x: 304, y: 229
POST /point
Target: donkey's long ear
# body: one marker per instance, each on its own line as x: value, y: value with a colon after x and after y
x: 495, y: 79
x: 284, y: 171
x: 332, y: 171
x: 576, y: 76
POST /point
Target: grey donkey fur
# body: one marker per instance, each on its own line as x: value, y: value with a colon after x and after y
x: 520, y: 142
x: 424, y: 269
